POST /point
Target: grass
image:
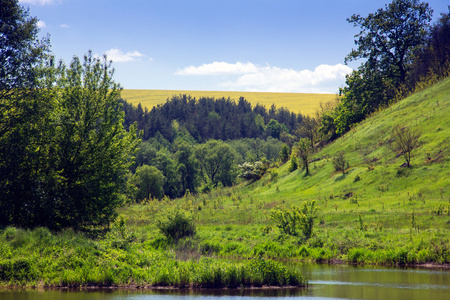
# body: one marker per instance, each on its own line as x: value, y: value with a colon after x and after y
x: 306, y: 104
x: 375, y: 213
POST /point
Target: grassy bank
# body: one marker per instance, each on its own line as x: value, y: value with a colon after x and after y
x: 39, y: 258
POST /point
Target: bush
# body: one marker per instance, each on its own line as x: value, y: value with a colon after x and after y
x: 339, y: 163
x: 177, y: 226
x: 294, y: 164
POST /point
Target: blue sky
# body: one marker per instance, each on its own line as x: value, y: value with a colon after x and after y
x: 214, y: 45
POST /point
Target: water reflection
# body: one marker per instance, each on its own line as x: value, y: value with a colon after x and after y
x: 326, y: 282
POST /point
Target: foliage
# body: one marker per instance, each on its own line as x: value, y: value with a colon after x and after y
x: 284, y: 153
x: 405, y: 140
x: 340, y: 164
x: 83, y: 151
x: 304, y: 102
x: 296, y: 218
x: 392, y: 41
x: 304, y: 150
x: 149, y: 182
x: 252, y: 171
x: 389, y: 36
x: 209, y: 118
x: 24, y: 111
x: 216, y: 159
x: 293, y: 165
x: 187, y: 168
x: 177, y: 226
x: 309, y: 130
x: 432, y: 60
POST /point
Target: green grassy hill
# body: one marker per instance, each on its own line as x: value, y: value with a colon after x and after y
x: 376, y: 213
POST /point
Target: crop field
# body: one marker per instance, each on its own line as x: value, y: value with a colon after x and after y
x: 306, y: 104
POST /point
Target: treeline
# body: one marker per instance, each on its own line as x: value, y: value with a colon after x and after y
x: 209, y: 118
x: 194, y: 145
x: 173, y: 169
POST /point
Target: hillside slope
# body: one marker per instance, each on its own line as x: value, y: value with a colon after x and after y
x: 378, y: 212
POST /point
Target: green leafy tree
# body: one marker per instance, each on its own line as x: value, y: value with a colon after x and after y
x: 386, y: 42
x: 217, y: 160
x: 187, y: 168
x: 304, y: 150
x: 309, y: 129
x: 83, y: 150
x: 293, y: 165
x: 284, y: 153
x: 168, y: 167
x: 91, y: 147
x: 149, y: 183
x: 24, y: 114
x: 389, y: 36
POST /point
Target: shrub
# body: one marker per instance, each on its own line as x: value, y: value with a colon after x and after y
x: 339, y: 163
x: 294, y: 164
x: 177, y: 226
x: 405, y: 140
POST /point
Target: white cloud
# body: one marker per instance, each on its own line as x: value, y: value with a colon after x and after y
x: 64, y: 26
x: 219, y: 68
x: 117, y: 55
x: 41, y: 24
x: 248, y: 77
x: 38, y: 2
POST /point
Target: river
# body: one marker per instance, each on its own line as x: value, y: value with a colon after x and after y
x: 326, y: 282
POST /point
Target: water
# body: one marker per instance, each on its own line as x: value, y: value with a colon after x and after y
x: 326, y: 282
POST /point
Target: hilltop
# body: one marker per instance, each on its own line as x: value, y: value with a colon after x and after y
x: 304, y: 103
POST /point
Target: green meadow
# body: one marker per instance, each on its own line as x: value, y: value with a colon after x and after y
x: 306, y: 104
x: 378, y: 212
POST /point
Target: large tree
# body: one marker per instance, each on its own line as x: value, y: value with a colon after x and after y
x: 24, y: 112
x: 78, y: 152
x: 217, y: 161
x: 388, y: 36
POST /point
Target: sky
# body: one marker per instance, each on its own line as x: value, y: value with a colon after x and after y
x: 294, y: 46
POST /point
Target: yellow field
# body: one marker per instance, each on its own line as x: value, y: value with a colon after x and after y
x: 306, y: 104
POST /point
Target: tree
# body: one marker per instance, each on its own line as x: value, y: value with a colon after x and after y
x: 84, y: 151
x: 308, y: 129
x: 187, y: 168
x: 304, y: 150
x: 284, y: 153
x: 92, y: 149
x: 217, y: 161
x: 149, y: 182
x: 293, y: 165
x: 339, y: 163
x: 24, y: 112
x: 405, y: 140
x: 388, y: 37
